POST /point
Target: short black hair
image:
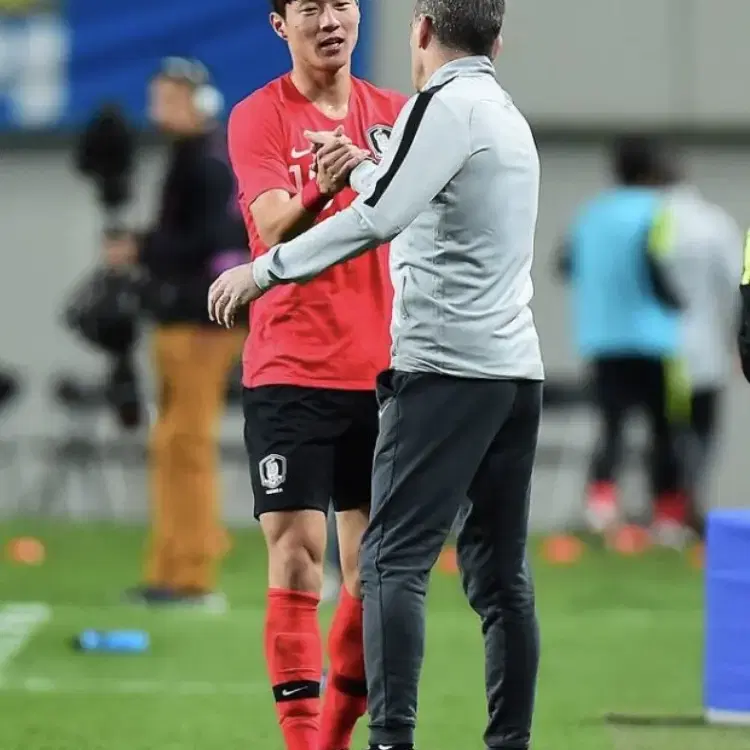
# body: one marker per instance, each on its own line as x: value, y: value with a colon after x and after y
x: 279, y: 6
x: 470, y: 26
x: 643, y: 160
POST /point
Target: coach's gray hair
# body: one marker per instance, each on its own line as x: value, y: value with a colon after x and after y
x: 470, y: 26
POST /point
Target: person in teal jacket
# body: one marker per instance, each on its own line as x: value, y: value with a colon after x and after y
x: 626, y: 322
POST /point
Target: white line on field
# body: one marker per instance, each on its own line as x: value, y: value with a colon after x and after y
x: 18, y: 623
x: 110, y: 686
x: 624, y: 616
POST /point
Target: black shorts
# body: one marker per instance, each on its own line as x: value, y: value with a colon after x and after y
x: 309, y: 447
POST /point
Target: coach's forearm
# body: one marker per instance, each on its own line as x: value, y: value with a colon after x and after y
x: 336, y: 240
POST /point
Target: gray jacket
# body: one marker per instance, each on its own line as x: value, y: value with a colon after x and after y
x: 457, y: 194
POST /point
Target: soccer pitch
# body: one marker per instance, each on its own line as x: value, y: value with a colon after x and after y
x: 619, y: 635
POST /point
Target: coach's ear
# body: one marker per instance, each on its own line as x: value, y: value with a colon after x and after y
x: 497, y: 47
x: 424, y: 31
x: 277, y: 24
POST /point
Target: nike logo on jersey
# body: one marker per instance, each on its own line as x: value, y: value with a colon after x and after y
x: 298, y: 154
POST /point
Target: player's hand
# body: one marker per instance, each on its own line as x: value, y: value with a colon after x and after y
x: 324, y: 138
x: 336, y: 163
x: 231, y: 291
x: 335, y: 158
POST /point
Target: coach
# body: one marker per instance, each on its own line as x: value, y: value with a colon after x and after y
x: 457, y: 193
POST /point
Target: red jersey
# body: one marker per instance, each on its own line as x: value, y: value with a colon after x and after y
x: 333, y: 332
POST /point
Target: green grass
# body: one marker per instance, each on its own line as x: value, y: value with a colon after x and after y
x: 618, y: 636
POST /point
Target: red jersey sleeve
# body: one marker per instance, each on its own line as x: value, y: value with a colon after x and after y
x: 255, y: 136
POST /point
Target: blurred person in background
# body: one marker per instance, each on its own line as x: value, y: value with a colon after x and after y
x: 198, y: 234
x: 743, y: 339
x: 627, y: 329
x: 702, y: 260
x: 311, y: 361
x: 9, y: 386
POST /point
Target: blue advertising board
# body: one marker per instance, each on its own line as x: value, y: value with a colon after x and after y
x: 60, y: 59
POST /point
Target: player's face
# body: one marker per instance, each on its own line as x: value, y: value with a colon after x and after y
x: 170, y: 106
x: 321, y: 33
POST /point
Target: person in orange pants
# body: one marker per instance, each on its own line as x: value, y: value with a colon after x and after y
x: 187, y: 538
x: 198, y: 234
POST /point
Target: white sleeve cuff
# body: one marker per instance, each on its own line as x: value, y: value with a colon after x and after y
x: 361, y: 176
x: 259, y: 268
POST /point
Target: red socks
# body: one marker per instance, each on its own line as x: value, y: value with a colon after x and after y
x: 345, y: 699
x: 294, y: 656
x: 671, y: 507
x: 603, y: 494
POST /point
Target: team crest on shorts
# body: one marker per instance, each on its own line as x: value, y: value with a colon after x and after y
x: 272, y: 473
x: 377, y: 138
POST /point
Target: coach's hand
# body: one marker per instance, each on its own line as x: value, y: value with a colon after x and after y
x: 233, y: 289
x: 335, y: 159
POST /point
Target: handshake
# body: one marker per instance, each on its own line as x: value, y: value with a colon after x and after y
x: 335, y: 159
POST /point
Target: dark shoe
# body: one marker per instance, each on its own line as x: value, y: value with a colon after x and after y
x: 147, y: 595
x: 155, y: 596
x: 211, y: 601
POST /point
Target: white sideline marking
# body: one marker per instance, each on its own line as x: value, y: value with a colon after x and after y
x: 18, y: 623
x: 108, y: 686
x: 625, y: 618
x: 728, y: 718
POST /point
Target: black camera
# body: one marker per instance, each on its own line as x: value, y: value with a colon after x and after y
x: 106, y: 155
x: 105, y: 309
x: 105, y: 312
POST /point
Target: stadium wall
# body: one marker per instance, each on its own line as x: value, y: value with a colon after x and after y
x: 49, y: 222
x: 45, y: 250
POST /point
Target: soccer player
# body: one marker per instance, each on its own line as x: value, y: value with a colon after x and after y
x: 311, y: 360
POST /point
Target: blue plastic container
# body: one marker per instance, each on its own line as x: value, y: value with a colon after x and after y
x: 113, y: 641
x: 727, y: 645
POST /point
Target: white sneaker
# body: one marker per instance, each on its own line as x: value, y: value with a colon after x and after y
x: 601, y: 517
x: 671, y: 535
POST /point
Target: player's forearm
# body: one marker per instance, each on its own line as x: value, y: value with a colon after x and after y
x: 290, y: 221
x: 336, y: 240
